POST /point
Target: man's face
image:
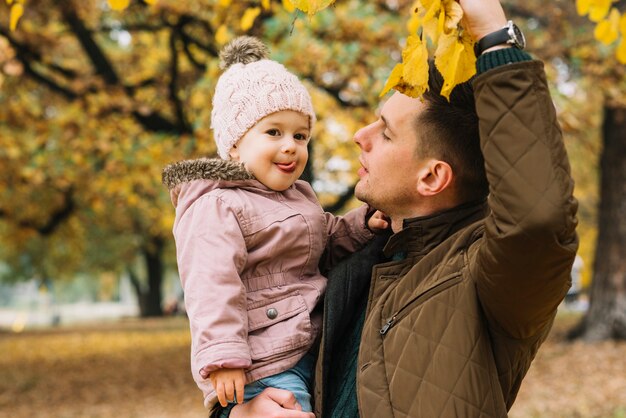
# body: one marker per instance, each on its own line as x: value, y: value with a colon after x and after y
x: 389, y: 161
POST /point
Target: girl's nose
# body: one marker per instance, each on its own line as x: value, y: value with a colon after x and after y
x: 289, y: 145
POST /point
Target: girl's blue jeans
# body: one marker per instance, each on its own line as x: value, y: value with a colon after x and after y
x: 297, y: 380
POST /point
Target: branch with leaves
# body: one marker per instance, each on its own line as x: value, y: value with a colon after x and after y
x: 437, y: 21
x: 611, y: 23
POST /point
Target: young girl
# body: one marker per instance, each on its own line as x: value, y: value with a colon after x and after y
x: 250, y: 235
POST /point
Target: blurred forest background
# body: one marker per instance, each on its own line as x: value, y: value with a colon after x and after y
x: 94, y: 102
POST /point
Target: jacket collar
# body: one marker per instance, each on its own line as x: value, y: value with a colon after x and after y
x: 214, y: 169
x: 420, y: 235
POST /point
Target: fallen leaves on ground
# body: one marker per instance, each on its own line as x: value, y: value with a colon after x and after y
x: 140, y: 368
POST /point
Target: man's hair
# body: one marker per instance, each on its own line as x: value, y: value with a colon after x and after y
x: 448, y: 131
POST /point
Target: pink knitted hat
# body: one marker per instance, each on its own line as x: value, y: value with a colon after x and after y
x: 251, y: 88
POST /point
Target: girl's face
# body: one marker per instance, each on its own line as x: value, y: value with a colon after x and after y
x: 275, y: 149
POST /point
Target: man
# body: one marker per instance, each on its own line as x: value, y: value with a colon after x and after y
x: 465, y: 290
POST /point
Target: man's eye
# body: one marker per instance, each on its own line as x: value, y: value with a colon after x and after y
x: 273, y: 132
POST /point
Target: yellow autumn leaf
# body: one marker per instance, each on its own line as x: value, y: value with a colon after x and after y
x: 221, y: 35
x: 431, y: 29
x: 119, y: 4
x: 607, y: 31
x: 414, y: 22
x: 394, y: 79
x: 599, y: 9
x: 311, y: 6
x: 265, y: 4
x: 415, y: 60
x: 17, y: 10
x: 453, y: 15
x: 224, y: 3
x: 288, y: 6
x: 455, y: 60
x: 150, y: 1
x: 620, y: 52
x: 430, y: 14
x: 431, y: 8
x: 9, y: 2
x: 249, y: 17
x: 622, y: 25
x: 583, y: 7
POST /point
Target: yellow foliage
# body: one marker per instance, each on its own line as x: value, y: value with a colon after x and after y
x: 583, y: 7
x: 265, y: 4
x: 415, y: 71
x: 248, y: 18
x: 621, y: 51
x: 607, y: 31
x: 17, y: 10
x: 414, y: 21
x: 221, y: 35
x: 599, y: 9
x: 288, y: 5
x: 410, y: 77
x: 596, y: 9
x: 454, y: 53
x: 455, y: 60
x: 311, y: 6
x: 119, y: 4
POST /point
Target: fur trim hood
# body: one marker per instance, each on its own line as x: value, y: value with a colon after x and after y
x: 204, y: 169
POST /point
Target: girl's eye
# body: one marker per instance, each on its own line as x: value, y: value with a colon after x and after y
x: 273, y: 132
x: 300, y: 137
x: 385, y: 137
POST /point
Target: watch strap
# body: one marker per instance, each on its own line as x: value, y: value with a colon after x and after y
x: 498, y: 37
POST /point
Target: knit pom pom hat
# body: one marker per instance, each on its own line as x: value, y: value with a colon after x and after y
x: 251, y: 88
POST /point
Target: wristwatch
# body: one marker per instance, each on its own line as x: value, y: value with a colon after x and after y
x: 510, y: 34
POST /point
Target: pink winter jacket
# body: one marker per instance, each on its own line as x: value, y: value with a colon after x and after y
x: 248, y: 261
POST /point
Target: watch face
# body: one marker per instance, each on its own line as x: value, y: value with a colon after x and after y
x: 518, y: 36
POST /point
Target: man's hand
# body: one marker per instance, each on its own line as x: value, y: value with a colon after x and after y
x: 481, y: 17
x: 271, y: 403
x: 378, y: 221
x: 227, y: 383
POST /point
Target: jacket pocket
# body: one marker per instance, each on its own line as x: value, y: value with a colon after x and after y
x: 264, y: 219
x: 444, y: 284
x: 277, y: 326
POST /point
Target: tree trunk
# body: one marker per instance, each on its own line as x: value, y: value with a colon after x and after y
x: 606, y: 318
x: 149, y: 297
x: 153, y: 256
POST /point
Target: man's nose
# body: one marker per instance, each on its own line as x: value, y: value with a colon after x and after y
x: 362, y: 138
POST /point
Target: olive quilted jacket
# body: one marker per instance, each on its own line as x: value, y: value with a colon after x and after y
x: 451, y: 329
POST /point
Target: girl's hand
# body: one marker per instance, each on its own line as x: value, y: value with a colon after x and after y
x: 228, y: 383
x: 378, y: 221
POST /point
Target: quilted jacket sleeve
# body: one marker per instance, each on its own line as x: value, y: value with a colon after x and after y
x: 522, y: 266
x: 211, y: 253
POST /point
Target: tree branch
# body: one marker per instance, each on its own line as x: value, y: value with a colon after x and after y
x: 341, y: 201
x: 173, y: 86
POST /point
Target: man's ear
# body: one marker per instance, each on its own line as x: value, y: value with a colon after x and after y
x: 234, y: 153
x: 434, y: 177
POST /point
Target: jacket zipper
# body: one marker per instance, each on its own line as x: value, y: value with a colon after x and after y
x: 396, y: 317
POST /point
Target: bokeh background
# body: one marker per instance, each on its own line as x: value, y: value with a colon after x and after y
x: 97, y: 96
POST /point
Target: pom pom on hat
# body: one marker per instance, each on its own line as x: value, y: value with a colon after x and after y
x: 251, y: 88
x: 243, y: 50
